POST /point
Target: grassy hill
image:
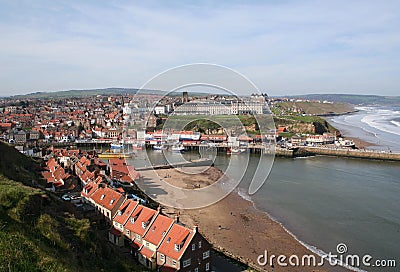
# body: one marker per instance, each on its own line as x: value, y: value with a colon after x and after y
x: 39, y: 232
x: 318, y: 108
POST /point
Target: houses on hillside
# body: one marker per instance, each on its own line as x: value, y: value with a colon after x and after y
x: 157, y: 241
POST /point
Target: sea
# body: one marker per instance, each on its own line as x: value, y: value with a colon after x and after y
x: 326, y: 201
x: 377, y: 125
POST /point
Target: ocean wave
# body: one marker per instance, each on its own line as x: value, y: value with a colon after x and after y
x: 395, y: 123
x: 381, y: 123
x: 319, y: 252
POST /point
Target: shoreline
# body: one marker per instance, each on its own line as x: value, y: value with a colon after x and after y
x: 224, y: 223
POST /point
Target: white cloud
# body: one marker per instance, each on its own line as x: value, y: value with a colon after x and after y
x: 289, y: 46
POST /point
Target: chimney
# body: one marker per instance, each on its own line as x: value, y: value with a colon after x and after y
x: 177, y: 218
x: 195, y: 228
x: 159, y: 209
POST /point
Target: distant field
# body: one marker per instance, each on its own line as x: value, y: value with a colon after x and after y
x: 318, y: 108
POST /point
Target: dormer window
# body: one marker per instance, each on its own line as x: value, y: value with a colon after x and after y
x: 102, y: 197
x: 132, y: 220
x: 144, y: 225
x: 119, y: 213
x: 112, y: 201
x: 169, y: 239
x: 163, y: 234
x: 177, y: 247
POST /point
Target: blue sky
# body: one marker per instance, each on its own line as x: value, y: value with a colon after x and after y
x: 284, y: 47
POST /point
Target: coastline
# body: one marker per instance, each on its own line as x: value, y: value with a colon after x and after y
x: 235, y: 227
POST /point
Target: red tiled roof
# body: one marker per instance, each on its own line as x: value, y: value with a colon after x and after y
x: 126, y: 210
x: 115, y: 232
x: 48, y: 176
x: 176, y: 235
x: 143, y: 214
x: 90, y: 188
x: 106, y: 197
x: 116, y: 161
x: 52, y: 164
x: 158, y: 229
x: 147, y: 252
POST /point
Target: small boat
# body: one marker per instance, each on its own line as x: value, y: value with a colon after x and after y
x: 234, y: 151
x: 178, y: 148
x: 137, y: 147
x: 158, y: 147
x: 116, y: 146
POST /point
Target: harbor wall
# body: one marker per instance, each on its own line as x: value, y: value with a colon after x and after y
x: 350, y: 153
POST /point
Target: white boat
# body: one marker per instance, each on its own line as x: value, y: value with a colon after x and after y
x: 117, y: 146
x: 178, y: 148
x: 158, y: 147
x: 235, y: 151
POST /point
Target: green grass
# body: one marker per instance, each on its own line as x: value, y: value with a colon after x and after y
x: 16, y: 166
x: 317, y: 108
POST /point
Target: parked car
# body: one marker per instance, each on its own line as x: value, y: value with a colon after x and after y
x: 66, y: 197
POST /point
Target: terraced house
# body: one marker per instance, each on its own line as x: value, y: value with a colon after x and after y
x: 107, y: 202
x: 147, y: 254
x: 159, y: 242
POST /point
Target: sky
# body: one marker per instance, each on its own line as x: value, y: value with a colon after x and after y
x: 284, y: 47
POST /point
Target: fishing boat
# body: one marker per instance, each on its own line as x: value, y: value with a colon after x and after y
x: 137, y: 146
x: 234, y: 151
x: 158, y: 147
x: 117, y: 146
x: 111, y: 154
x: 178, y: 148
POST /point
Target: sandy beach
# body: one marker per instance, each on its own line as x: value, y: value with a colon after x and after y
x: 360, y: 144
x: 236, y: 228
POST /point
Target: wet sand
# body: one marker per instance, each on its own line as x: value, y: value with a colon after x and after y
x: 236, y: 228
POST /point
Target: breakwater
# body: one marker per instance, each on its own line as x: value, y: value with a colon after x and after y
x: 349, y: 153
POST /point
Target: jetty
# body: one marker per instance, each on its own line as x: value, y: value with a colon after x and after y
x: 193, y: 163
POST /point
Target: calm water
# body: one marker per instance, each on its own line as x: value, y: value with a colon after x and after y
x: 325, y: 201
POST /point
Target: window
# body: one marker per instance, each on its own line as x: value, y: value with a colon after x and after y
x: 199, y: 244
x: 102, y: 197
x: 177, y: 247
x: 147, y: 244
x: 112, y: 201
x: 162, y: 257
x: 206, y: 254
x: 132, y: 220
x: 144, y: 225
x: 207, y: 266
x: 193, y: 247
x: 196, y: 269
x: 174, y: 263
x: 119, y: 213
x: 187, y: 262
x: 128, y: 232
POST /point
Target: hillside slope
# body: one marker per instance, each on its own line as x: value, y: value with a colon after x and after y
x: 39, y: 232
